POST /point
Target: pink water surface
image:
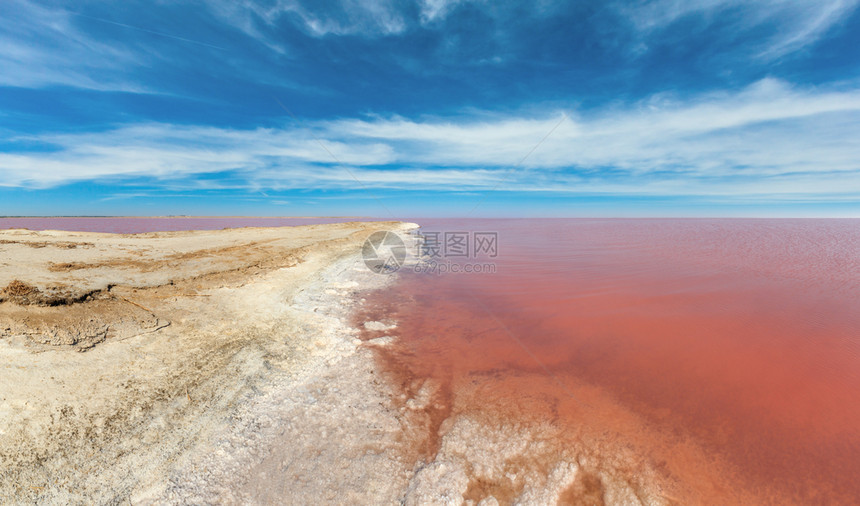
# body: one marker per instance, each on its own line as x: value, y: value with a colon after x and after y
x: 734, y: 344
x: 137, y: 225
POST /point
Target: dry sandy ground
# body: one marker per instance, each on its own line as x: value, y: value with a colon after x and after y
x: 157, y: 368
x: 225, y: 367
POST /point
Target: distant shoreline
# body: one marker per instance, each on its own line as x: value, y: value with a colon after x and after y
x: 383, y: 218
x: 191, y: 216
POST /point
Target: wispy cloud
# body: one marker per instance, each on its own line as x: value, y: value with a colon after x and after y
x: 769, y: 138
x: 768, y: 128
x: 42, y: 47
x: 781, y: 26
x: 349, y: 17
x: 433, y: 10
x: 172, y: 151
x: 792, y: 24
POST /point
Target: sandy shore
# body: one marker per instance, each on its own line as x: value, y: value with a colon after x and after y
x: 183, y: 367
x: 244, y: 366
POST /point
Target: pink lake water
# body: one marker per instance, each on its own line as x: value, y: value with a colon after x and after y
x: 724, y: 354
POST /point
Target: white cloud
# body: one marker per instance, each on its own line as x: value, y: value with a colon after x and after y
x: 795, y: 24
x: 766, y: 128
x: 433, y: 10
x: 791, y: 24
x: 171, y: 151
x: 809, y: 25
x: 348, y: 17
x: 41, y: 47
x: 769, y: 138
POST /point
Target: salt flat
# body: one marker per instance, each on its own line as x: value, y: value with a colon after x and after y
x: 158, y: 368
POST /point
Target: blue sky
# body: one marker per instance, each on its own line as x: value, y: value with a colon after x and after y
x: 431, y: 108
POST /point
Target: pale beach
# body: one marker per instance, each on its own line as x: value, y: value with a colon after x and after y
x: 161, y: 367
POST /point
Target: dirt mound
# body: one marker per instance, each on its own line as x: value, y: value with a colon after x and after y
x: 25, y: 294
x: 45, y: 244
x: 18, y: 288
x: 79, y: 327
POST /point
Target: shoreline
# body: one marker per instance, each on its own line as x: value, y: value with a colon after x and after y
x: 187, y: 216
x: 328, y: 433
x: 252, y: 366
